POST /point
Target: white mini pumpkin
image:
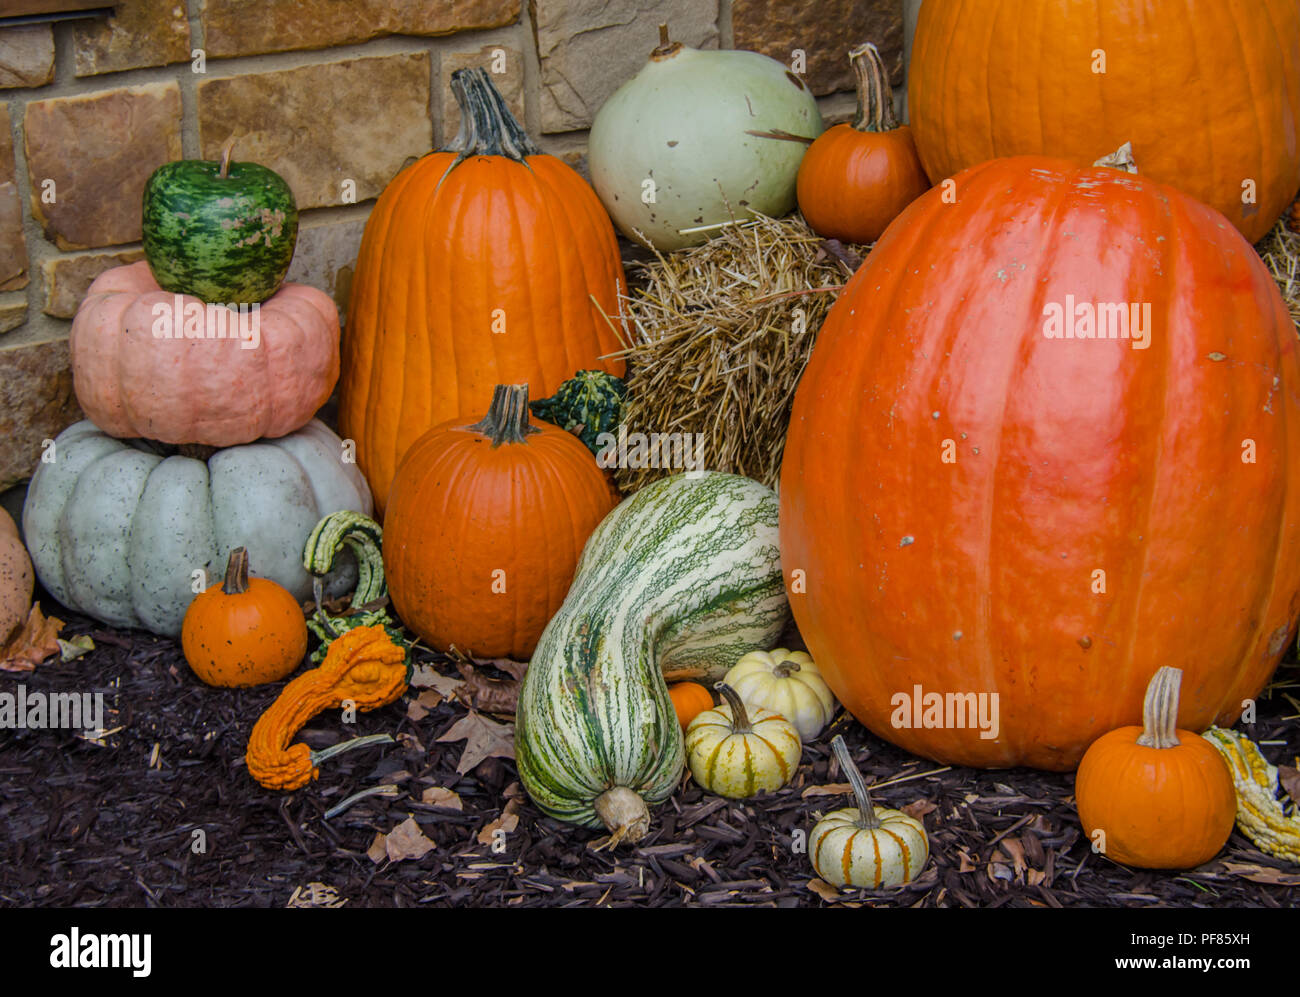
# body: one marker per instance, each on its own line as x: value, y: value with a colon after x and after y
x: 788, y: 683
x: 736, y: 752
x: 866, y: 846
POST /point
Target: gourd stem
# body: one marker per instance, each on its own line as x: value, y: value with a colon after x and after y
x: 487, y: 128
x: 226, y: 153
x: 867, y: 819
x: 1121, y: 159
x: 664, y: 40
x: 1160, y: 709
x: 739, y: 717
x: 507, y: 417
x: 875, y: 95
x: 236, y: 581
x: 357, y: 742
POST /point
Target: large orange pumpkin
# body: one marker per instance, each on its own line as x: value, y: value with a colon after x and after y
x: 483, y: 264
x: 971, y: 507
x: 485, y: 524
x: 1208, y: 93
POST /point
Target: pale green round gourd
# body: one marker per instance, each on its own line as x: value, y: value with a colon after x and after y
x: 686, y: 573
x: 683, y: 129
x: 117, y: 528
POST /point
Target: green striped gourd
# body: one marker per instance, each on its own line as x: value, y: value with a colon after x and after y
x: 364, y: 538
x: 684, y: 574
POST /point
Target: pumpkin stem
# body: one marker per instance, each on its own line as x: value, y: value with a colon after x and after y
x: 226, y: 152
x: 666, y: 47
x: 867, y: 819
x: 787, y: 665
x: 739, y: 716
x: 1160, y: 709
x: 1120, y: 159
x: 236, y: 581
x: 624, y: 813
x: 507, y: 417
x: 875, y: 95
x: 487, y: 128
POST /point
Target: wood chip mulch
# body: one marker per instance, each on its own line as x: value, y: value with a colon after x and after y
x: 163, y: 814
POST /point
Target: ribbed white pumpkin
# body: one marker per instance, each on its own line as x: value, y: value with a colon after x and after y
x: 866, y: 846
x: 117, y: 528
x: 788, y: 683
x: 688, y: 143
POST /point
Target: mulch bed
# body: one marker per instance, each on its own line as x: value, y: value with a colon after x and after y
x: 88, y: 825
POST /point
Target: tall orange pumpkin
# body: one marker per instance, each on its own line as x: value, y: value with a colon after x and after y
x: 482, y: 264
x: 974, y: 506
x: 1208, y: 93
x: 485, y: 525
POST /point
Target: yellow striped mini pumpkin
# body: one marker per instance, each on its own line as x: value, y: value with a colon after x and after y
x: 736, y: 752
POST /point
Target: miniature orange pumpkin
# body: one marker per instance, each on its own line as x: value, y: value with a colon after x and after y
x: 245, y: 631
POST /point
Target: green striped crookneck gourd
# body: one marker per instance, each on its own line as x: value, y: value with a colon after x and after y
x: 685, y: 574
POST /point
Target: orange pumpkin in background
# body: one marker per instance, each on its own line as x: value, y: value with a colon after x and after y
x: 485, y: 525
x: 975, y: 505
x: 486, y: 263
x: 1207, y: 93
x: 856, y: 178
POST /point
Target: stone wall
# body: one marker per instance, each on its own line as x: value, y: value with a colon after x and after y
x: 336, y: 95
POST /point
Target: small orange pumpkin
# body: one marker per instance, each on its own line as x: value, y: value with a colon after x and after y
x: 244, y: 632
x: 1162, y: 797
x: 856, y: 179
x: 690, y: 699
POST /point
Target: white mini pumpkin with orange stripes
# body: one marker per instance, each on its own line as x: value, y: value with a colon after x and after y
x: 737, y: 752
x: 866, y: 846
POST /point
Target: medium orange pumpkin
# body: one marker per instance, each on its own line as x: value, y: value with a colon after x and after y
x: 975, y: 511
x: 690, y: 699
x: 1156, y: 796
x: 1208, y: 93
x: 247, y: 631
x: 483, y: 264
x: 485, y: 525
x: 856, y: 178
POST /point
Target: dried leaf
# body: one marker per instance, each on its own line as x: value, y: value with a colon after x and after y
x: 831, y: 789
x: 489, y: 695
x: 1289, y: 778
x: 415, y: 712
x: 515, y: 669
x: 1262, y: 874
x: 483, y: 739
x: 439, y: 796
x: 507, y: 822
x: 377, y: 851
x: 36, y: 640
x: 919, y: 808
x: 427, y: 677
x: 967, y: 861
x: 824, y: 890
x: 410, y: 742
x: 73, y: 649
x: 407, y: 841
x: 316, y: 895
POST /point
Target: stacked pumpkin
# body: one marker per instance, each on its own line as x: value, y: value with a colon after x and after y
x: 199, y: 370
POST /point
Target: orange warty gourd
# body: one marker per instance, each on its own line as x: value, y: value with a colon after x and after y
x: 690, y: 699
x: 245, y: 631
x: 979, y: 507
x: 1208, y: 93
x: 485, y: 525
x: 856, y: 178
x: 483, y: 264
x: 362, y: 667
x: 1162, y: 797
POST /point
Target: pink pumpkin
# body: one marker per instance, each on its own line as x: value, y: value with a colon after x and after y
x: 148, y: 363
